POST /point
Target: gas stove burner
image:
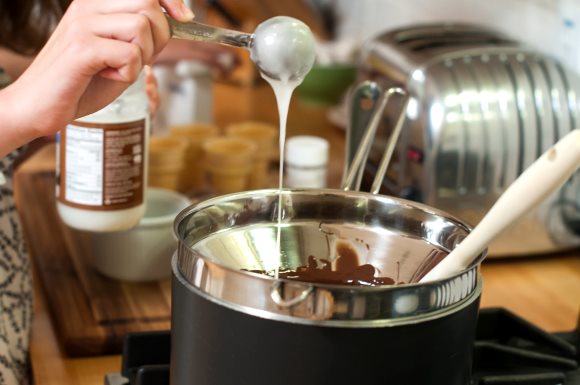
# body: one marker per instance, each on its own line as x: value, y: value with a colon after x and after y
x: 508, y: 351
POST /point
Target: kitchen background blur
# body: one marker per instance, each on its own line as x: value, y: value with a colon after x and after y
x: 342, y: 26
x: 201, y: 102
x: 549, y: 26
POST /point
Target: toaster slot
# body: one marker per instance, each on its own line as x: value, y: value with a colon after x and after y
x: 450, y: 37
x: 432, y: 44
x: 439, y: 30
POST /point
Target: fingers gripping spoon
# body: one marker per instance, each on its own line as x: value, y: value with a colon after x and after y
x: 543, y: 177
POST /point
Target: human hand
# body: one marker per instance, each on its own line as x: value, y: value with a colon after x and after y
x: 97, y: 50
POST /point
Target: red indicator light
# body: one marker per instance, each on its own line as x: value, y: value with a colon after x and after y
x: 415, y: 155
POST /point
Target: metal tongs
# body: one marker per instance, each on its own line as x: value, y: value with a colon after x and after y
x: 369, y: 99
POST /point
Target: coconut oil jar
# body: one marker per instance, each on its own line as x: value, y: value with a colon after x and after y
x: 101, y: 165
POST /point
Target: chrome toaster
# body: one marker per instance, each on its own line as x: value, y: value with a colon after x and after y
x: 482, y: 108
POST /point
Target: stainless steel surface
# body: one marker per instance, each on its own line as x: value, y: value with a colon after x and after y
x: 482, y: 109
x: 223, y: 239
x: 195, y: 31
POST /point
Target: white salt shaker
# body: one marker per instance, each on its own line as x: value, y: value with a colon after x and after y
x: 306, y: 161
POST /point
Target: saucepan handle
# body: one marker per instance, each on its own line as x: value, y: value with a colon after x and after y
x: 392, y: 142
x: 362, y: 131
x: 363, y: 100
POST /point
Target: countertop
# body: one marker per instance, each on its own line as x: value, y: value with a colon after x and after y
x: 544, y: 290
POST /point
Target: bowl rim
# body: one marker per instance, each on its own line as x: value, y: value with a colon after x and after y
x: 157, y: 192
x: 204, y: 204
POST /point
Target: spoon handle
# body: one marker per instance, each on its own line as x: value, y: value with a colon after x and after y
x: 195, y: 31
x: 539, y: 180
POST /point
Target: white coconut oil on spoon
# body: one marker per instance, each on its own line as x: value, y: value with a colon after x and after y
x: 283, y: 49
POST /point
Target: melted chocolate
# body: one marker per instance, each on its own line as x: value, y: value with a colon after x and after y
x: 347, y: 270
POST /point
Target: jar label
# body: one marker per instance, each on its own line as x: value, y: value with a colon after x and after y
x: 101, y: 166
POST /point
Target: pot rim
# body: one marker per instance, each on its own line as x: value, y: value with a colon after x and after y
x: 375, y: 323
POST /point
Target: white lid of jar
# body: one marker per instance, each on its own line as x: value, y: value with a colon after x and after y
x: 306, y: 151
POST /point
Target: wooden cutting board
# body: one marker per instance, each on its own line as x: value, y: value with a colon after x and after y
x: 90, y: 312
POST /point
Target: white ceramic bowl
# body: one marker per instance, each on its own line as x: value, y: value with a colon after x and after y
x: 144, y: 252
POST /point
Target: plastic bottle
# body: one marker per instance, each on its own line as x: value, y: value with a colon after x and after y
x: 102, y: 165
x: 306, y: 162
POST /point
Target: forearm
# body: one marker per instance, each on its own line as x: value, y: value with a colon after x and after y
x: 13, y: 128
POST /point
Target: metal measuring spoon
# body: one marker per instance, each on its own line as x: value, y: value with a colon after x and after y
x: 283, y: 48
